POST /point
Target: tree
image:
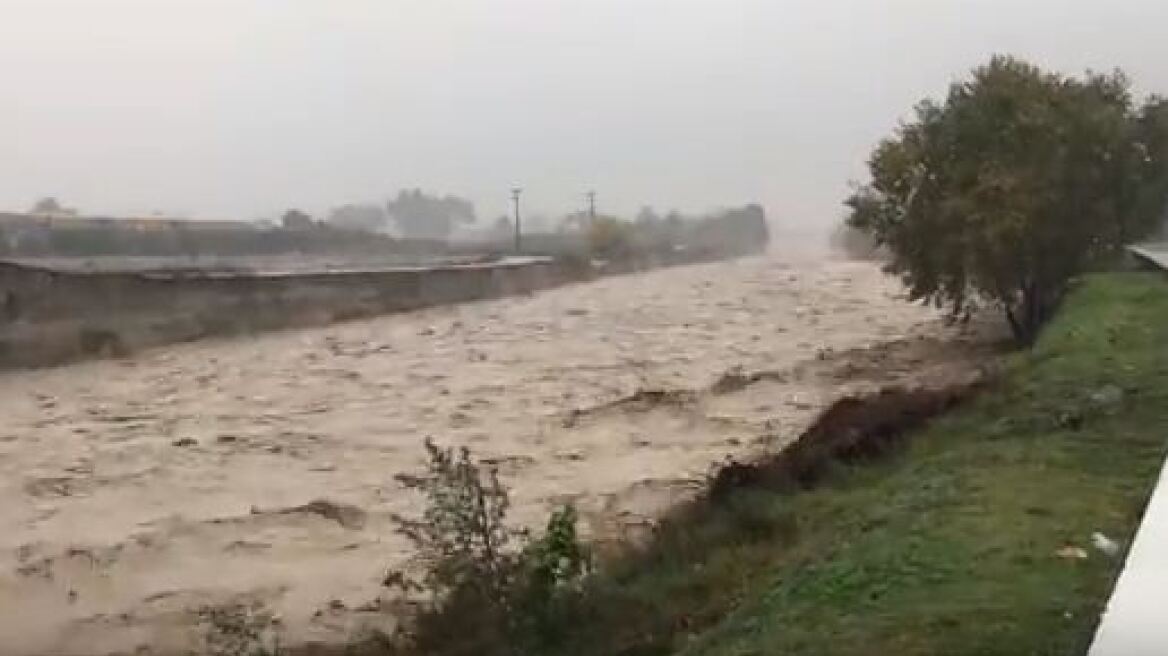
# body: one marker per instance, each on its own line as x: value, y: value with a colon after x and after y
x: 422, y: 216
x: 610, y: 237
x: 369, y: 218
x: 746, y: 228
x: 1019, y: 180
x: 49, y: 206
x: 1151, y: 153
x: 648, y: 218
x: 296, y: 220
x: 733, y: 231
x: 503, y: 229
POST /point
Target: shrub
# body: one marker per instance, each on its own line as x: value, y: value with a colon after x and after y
x: 502, y: 599
x: 240, y: 630
x: 610, y: 238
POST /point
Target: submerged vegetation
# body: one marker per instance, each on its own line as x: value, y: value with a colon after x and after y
x: 503, y: 589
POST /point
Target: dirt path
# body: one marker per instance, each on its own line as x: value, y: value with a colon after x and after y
x: 138, y: 490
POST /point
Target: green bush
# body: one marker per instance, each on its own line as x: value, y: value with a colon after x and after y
x: 504, y: 590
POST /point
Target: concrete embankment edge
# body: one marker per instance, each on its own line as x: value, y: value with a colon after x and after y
x: 50, y: 317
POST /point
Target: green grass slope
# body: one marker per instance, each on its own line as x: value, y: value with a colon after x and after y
x: 950, y: 547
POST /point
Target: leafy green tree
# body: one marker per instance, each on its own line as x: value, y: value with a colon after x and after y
x: 1019, y: 180
x: 1151, y: 155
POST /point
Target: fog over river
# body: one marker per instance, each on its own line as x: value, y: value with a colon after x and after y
x: 137, y: 490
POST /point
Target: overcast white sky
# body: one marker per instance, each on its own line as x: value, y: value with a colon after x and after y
x: 241, y: 108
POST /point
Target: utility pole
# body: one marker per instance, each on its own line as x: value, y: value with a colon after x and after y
x: 515, y: 191
x: 591, y: 207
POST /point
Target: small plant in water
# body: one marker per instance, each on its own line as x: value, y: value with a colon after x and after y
x: 240, y: 630
x: 498, y: 585
x: 462, y: 537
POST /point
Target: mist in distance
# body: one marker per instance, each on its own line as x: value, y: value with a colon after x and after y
x: 245, y: 108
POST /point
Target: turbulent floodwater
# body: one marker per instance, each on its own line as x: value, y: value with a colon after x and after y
x: 138, y: 490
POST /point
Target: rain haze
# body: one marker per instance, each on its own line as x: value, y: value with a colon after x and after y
x: 243, y: 108
x: 589, y: 327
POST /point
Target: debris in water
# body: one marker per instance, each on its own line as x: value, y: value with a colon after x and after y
x: 348, y: 516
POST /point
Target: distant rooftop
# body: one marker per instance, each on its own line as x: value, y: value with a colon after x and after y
x: 67, y: 221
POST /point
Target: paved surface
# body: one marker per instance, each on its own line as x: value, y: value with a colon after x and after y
x: 1155, y: 254
x: 1134, y: 622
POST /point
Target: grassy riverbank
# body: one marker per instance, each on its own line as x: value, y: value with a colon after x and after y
x: 971, y: 535
x: 949, y: 546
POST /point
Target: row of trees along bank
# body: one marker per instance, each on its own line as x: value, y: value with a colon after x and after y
x: 1014, y: 183
x: 424, y: 223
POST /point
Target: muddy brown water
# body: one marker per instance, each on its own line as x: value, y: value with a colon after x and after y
x: 138, y: 490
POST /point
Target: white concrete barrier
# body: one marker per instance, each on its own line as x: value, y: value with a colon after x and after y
x: 1135, y: 622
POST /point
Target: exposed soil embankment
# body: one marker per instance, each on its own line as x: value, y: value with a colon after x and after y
x: 852, y: 430
x: 870, y: 397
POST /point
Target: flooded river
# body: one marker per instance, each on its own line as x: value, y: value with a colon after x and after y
x: 138, y: 490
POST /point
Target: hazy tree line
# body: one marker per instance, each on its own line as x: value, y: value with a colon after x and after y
x: 1018, y: 180
x: 420, y: 215
x: 415, y: 214
x: 413, y: 221
x: 649, y: 236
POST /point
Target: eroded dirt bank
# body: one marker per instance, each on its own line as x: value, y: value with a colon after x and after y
x: 138, y: 490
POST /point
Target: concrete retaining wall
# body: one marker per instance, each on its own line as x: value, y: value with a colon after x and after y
x: 51, y: 317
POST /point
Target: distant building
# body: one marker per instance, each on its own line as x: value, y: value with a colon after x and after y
x: 60, y: 233
x: 10, y: 220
